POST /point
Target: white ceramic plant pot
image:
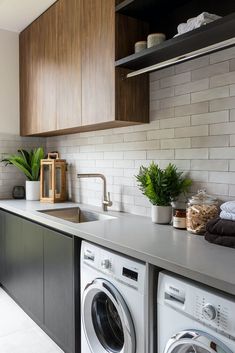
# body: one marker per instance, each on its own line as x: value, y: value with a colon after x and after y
x: 32, y: 189
x: 161, y: 214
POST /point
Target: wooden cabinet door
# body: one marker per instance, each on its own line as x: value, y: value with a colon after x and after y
x: 59, y: 288
x: 98, y: 55
x: 38, y: 72
x: 69, y: 97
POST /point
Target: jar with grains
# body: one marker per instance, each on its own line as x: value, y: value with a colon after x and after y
x: 200, y: 209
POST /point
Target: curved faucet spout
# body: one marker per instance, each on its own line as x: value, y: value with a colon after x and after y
x: 106, y: 198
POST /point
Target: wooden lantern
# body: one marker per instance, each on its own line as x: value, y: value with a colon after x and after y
x: 53, y: 179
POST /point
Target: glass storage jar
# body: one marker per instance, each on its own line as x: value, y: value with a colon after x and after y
x: 200, y: 209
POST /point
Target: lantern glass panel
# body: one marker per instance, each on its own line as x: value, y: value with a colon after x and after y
x: 58, y: 176
x: 47, y: 180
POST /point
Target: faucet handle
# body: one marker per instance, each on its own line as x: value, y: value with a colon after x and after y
x: 109, y: 200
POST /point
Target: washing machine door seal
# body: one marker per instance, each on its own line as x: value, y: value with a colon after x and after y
x: 194, y: 341
x: 106, y: 319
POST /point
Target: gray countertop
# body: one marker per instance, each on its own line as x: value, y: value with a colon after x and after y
x: 160, y: 245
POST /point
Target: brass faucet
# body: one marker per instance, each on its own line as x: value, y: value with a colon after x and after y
x: 106, y: 198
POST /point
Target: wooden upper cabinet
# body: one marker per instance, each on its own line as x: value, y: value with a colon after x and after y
x: 98, y: 56
x: 69, y: 73
x: 38, y: 72
x: 68, y: 80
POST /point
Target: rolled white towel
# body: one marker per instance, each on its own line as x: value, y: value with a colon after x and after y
x: 196, y: 22
x: 227, y: 215
x: 228, y: 207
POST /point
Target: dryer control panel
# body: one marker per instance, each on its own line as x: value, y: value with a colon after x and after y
x: 210, y: 307
x: 118, y: 267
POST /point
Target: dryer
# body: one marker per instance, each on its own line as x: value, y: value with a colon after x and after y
x: 112, y: 302
x: 193, y: 318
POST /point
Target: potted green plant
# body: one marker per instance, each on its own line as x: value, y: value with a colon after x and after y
x: 29, y: 164
x: 162, y: 186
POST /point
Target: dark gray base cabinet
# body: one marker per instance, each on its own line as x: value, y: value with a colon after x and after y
x: 36, y: 269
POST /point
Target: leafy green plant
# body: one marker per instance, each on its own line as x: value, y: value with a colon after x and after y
x: 162, y: 186
x: 27, y: 162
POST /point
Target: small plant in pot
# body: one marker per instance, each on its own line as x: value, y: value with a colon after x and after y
x: 162, y: 186
x: 29, y: 164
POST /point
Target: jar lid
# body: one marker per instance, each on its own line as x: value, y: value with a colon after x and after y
x: 202, y: 197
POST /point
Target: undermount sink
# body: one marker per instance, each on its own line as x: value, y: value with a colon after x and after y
x: 77, y: 215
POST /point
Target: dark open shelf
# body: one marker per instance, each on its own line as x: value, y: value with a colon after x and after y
x: 217, y: 31
x: 147, y: 10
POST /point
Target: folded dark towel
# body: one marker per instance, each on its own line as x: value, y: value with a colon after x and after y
x: 221, y: 227
x: 220, y: 239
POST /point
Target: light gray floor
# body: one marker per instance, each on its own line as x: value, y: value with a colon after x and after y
x: 20, y: 334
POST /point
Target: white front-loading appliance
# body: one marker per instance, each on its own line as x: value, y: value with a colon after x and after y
x: 112, y: 302
x: 193, y: 318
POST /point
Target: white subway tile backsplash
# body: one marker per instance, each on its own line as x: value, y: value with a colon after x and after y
x: 222, y: 177
x: 175, y: 122
x: 175, y: 101
x: 160, y: 154
x: 232, y: 115
x: 192, y: 64
x: 192, y: 153
x: 222, y: 55
x: 216, y: 165
x: 210, y: 141
x: 175, y: 79
x: 192, y: 87
x: 135, y: 136
x: 232, y: 64
x: 168, y: 71
x: 162, y: 113
x: 223, y: 128
x: 160, y: 134
x: 222, y: 153
x: 210, y: 94
x: 210, y: 118
x: 222, y: 104
x: 162, y: 93
x: 200, y: 130
x: 232, y: 140
x: 189, y: 109
x: 232, y: 90
x: 176, y: 143
x: 210, y: 70
x: 192, y: 114
x: 222, y: 80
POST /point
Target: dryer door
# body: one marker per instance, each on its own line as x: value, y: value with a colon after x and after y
x: 106, y: 319
x: 193, y: 341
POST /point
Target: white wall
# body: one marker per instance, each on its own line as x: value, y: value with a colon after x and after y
x: 9, y: 82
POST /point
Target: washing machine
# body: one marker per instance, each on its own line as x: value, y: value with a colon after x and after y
x: 112, y: 302
x: 193, y: 318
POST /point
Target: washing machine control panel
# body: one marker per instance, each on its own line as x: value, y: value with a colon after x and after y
x: 211, y: 308
x: 113, y: 266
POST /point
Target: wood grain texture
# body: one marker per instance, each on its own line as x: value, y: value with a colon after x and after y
x: 137, y: 30
x: 98, y: 54
x: 38, y: 75
x: 69, y: 79
x: 132, y: 97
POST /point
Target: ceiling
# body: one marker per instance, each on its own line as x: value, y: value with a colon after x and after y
x: 15, y: 15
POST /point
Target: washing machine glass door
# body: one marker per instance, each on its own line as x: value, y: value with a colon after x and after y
x: 106, y: 319
x: 193, y: 341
